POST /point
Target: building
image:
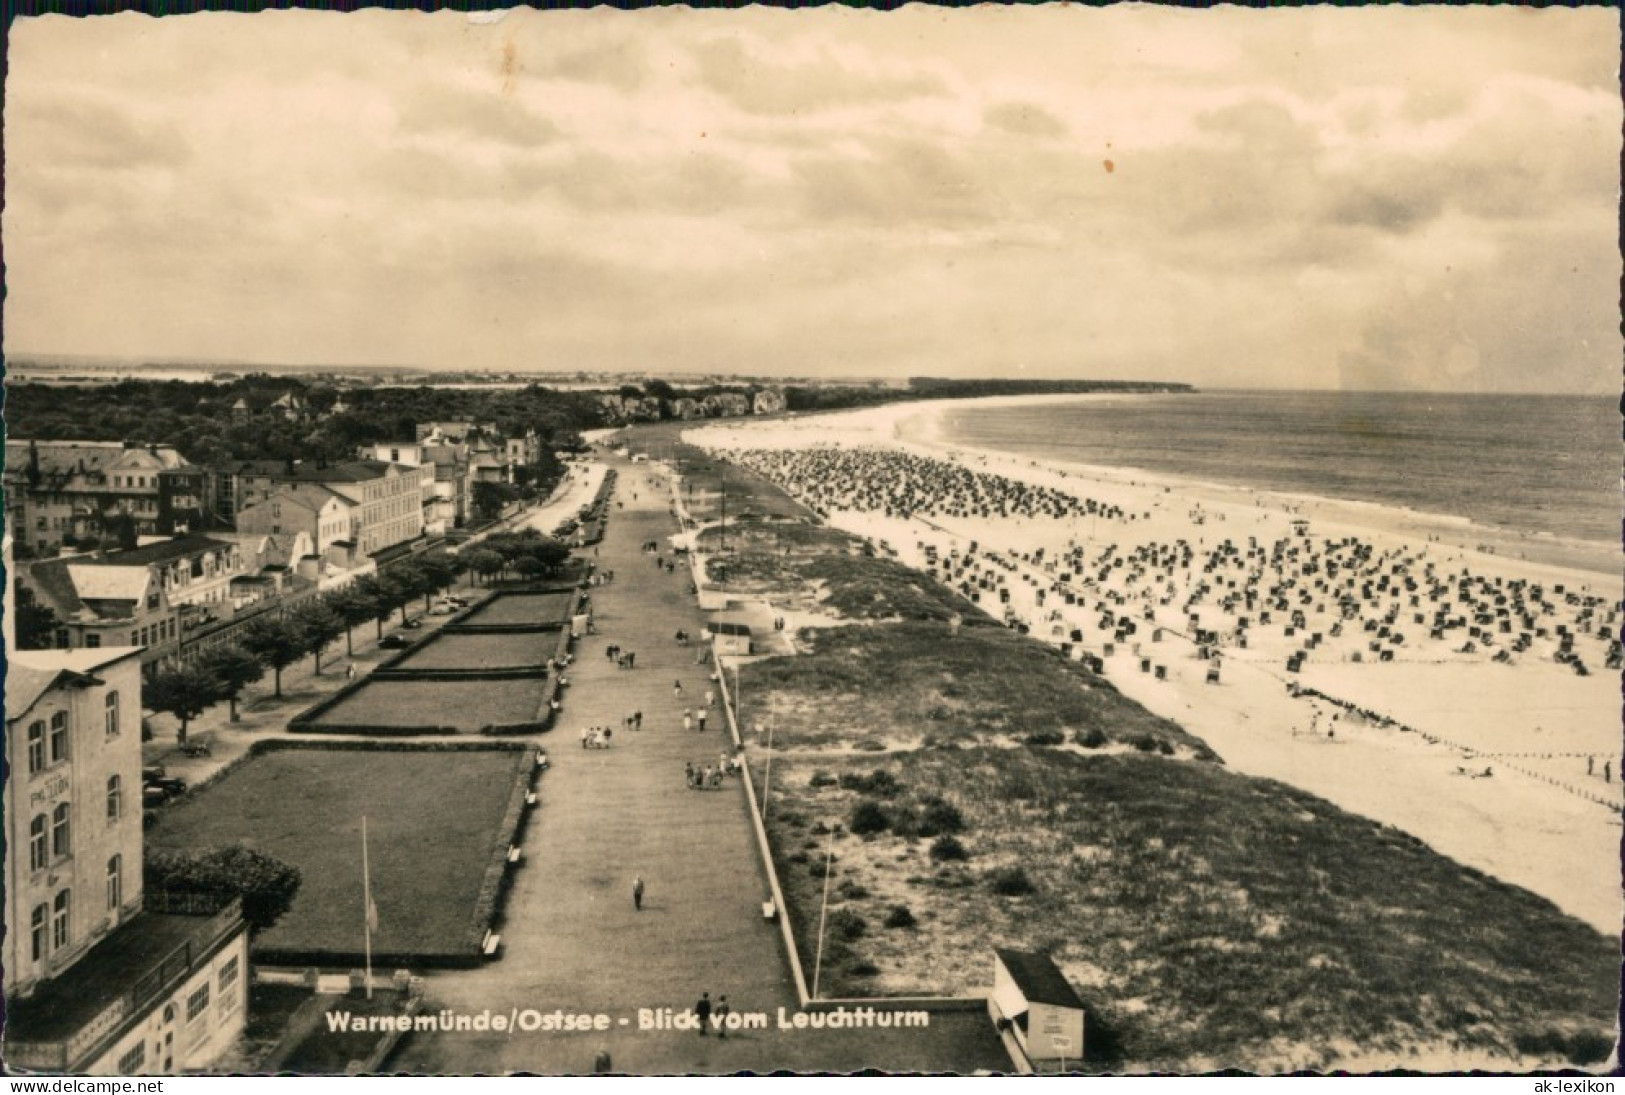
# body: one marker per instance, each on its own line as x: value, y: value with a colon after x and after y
x: 149, y: 597
x: 523, y: 451
x: 322, y: 514
x: 63, y: 492
x: 388, y: 500
x: 242, y: 483
x: 96, y: 983
x: 1034, y: 1004
x: 443, y: 477
x: 456, y: 433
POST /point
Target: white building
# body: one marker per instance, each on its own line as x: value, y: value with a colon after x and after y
x: 95, y: 984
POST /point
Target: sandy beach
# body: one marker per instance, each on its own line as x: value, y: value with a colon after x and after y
x: 1407, y: 667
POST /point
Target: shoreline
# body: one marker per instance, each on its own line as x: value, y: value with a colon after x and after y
x: 925, y: 427
x: 1542, y: 822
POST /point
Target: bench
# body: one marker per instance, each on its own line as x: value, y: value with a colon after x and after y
x: 493, y: 942
x: 530, y: 798
x: 516, y: 855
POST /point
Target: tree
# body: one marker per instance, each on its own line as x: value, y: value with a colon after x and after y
x: 485, y: 561
x: 321, y: 626
x: 185, y: 692
x: 490, y: 498
x: 36, y: 625
x: 354, y: 607
x: 265, y: 884
x: 416, y: 580
x: 528, y: 566
x: 234, y: 668
x: 278, y: 641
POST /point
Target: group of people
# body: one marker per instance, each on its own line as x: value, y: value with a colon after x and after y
x: 623, y: 659
x: 596, y: 737
x: 705, y: 777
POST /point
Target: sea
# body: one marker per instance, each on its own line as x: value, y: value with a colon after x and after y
x: 1537, y: 465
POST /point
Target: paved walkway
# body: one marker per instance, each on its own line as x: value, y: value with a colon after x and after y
x: 571, y: 937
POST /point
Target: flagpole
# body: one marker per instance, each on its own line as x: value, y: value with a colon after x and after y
x: 366, y: 906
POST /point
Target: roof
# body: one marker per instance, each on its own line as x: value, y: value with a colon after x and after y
x: 51, y: 580
x: 25, y: 684
x: 1039, y: 978
x: 110, y: 583
x: 354, y: 471
x: 729, y: 629
x: 32, y: 673
x: 191, y: 544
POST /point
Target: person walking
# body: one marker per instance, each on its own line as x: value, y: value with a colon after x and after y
x: 637, y: 894
x: 637, y: 720
x: 349, y: 672
x: 701, y: 718
x: 688, y: 720
x: 702, y: 1011
x: 722, y: 1012
x: 677, y: 689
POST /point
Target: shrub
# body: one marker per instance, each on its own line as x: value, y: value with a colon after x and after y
x: 863, y: 968
x: 266, y: 884
x: 880, y: 783
x: 1144, y: 743
x: 1045, y: 737
x: 947, y: 847
x: 1092, y: 738
x: 899, y: 917
x: 822, y: 779
x: 868, y: 817
x: 852, y: 891
x: 1165, y: 747
x: 847, y: 924
x: 1011, y: 882
x: 940, y: 816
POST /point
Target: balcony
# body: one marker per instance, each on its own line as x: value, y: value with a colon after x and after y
x: 71, y: 1018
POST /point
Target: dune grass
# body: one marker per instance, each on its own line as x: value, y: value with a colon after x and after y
x: 915, y: 683
x: 1209, y: 919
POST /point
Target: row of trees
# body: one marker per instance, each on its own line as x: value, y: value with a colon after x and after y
x: 525, y: 554
x: 275, y: 641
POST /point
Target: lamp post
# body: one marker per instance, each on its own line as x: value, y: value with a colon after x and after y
x: 823, y: 909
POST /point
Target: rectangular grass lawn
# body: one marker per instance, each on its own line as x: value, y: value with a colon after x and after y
x: 523, y: 608
x: 467, y: 705
x: 454, y: 651
x: 433, y: 821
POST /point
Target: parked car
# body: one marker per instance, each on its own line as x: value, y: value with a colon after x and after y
x: 413, y: 624
x: 394, y: 642
x: 444, y: 609
x: 162, y: 787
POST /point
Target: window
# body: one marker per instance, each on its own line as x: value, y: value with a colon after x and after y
x: 92, y: 641
x: 61, y: 837
x: 115, y: 798
x: 115, y: 883
x: 197, y: 1003
x: 59, y: 737
x: 111, y: 715
x: 37, y: 857
x: 59, y: 919
x: 36, y: 933
x: 229, y: 974
x: 134, y: 1060
x: 36, y: 746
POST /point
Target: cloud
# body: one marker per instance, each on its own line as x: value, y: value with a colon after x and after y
x: 445, y: 110
x: 1025, y: 119
x: 76, y: 131
x: 758, y: 85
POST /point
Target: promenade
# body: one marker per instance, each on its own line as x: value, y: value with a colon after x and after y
x: 572, y: 939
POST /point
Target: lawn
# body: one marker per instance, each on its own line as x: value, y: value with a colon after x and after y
x: 541, y: 609
x: 780, y: 538
x: 749, y: 495
x: 453, y: 650
x: 433, y: 820
x: 906, y: 684
x: 862, y: 587
x: 467, y: 705
x: 1208, y: 919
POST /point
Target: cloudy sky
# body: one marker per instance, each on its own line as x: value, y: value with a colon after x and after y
x: 1369, y: 198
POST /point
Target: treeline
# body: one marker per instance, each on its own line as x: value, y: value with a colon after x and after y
x: 202, y: 420
x: 844, y: 397
x: 925, y: 387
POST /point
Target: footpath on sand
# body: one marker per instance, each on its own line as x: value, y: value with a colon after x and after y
x: 571, y: 937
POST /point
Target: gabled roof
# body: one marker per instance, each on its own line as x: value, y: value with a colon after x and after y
x: 51, y: 579
x: 1039, y: 978
x: 354, y: 471
x: 32, y: 673
x: 110, y: 583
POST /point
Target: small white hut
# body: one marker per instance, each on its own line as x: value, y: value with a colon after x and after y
x: 1033, y: 1002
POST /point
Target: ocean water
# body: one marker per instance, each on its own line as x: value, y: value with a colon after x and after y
x: 1545, y: 465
